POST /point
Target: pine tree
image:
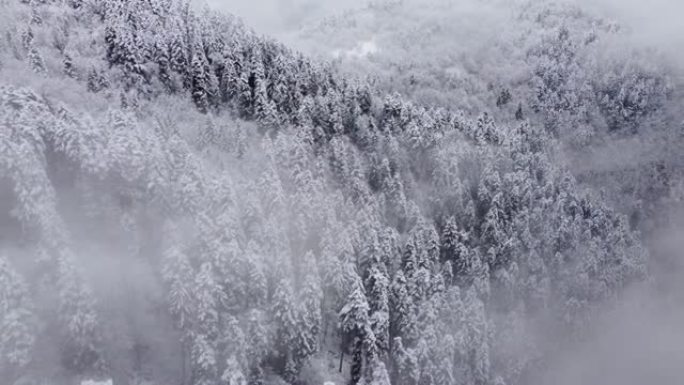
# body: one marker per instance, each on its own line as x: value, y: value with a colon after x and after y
x: 377, y: 374
x: 204, y: 353
x: 178, y: 60
x: 229, y: 78
x: 486, y: 131
x: 232, y: 375
x: 354, y: 314
x: 494, y: 230
x: 477, y: 335
x: 203, y: 358
x: 17, y: 323
x: 406, y: 368
x: 311, y: 297
x: 244, y: 96
x: 377, y: 284
x: 402, y: 318
x: 354, y: 323
x: 519, y: 114
x: 285, y: 314
x: 257, y: 285
x: 36, y: 18
x: 163, y: 60
x: 96, y: 81
x: 111, y: 40
x: 81, y: 352
x: 27, y: 38
x: 68, y: 67
x: 356, y: 369
x: 36, y: 61
x: 503, y: 98
x: 232, y: 340
x: 257, y: 84
x: 258, y: 342
x: 178, y: 275
x: 490, y: 186
x: 455, y: 249
x: 200, y: 81
x: 265, y: 110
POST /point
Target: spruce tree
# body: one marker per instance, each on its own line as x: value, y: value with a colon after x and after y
x: 200, y: 81
x: 17, y: 322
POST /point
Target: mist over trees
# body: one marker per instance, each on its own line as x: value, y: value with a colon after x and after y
x: 183, y: 201
x: 588, y: 80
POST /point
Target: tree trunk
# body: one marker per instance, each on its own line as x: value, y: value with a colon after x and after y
x: 357, y: 361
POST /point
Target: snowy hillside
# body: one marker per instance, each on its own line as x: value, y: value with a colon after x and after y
x: 185, y: 202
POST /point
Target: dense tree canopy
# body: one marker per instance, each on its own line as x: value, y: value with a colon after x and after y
x: 272, y: 212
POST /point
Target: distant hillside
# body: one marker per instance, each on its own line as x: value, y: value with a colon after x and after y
x: 613, y: 104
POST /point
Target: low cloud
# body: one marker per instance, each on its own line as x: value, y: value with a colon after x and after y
x: 653, y: 23
x: 276, y: 17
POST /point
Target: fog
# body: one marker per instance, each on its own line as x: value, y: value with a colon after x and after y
x: 279, y: 17
x: 653, y: 22
x: 639, y: 343
x: 638, y: 340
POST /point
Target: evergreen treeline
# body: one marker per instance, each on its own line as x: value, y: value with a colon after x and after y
x: 610, y: 103
x: 264, y: 213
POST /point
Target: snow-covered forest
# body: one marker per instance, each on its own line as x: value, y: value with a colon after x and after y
x: 408, y: 192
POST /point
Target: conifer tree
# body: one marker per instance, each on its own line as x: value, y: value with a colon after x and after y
x: 68, y: 67
x: 81, y: 352
x: 354, y: 323
x: 311, y: 297
x: 200, y: 81
x: 17, y: 322
x: 233, y: 375
x: 285, y: 315
x: 36, y: 61
x: 377, y: 284
x: 204, y: 350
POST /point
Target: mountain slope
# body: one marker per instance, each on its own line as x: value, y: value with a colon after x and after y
x: 189, y: 203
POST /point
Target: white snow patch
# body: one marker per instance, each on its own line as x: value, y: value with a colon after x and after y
x: 362, y: 49
x: 93, y: 382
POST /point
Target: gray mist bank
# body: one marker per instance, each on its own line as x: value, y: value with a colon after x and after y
x: 278, y: 17
x: 639, y: 340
